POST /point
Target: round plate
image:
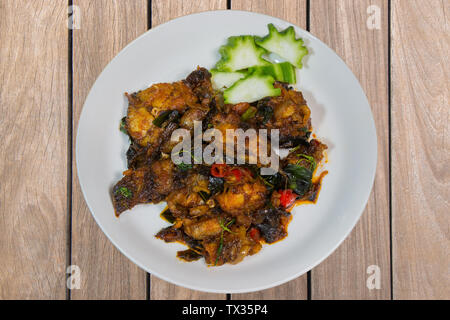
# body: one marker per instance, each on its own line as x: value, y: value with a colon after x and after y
x: 341, y: 118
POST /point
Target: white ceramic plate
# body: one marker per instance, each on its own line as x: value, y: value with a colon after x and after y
x: 341, y: 117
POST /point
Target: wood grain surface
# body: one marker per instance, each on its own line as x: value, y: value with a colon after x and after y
x: 420, y: 149
x: 106, y: 27
x: 163, y: 11
x: 342, y: 25
x: 33, y: 149
x: 293, y: 11
x: 46, y: 72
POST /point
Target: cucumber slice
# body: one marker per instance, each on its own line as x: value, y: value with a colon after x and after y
x: 284, y: 44
x: 252, y: 88
x: 283, y: 71
x: 240, y: 53
x: 222, y: 80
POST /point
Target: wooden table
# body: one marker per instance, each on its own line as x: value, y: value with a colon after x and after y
x: 46, y: 71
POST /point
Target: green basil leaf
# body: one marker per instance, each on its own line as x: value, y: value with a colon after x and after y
x: 309, y: 159
x: 125, y: 192
x: 300, y: 178
x: 184, y: 166
x: 123, y: 125
x: 164, y: 116
x: 249, y: 113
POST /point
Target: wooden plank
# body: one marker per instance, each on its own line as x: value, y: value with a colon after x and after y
x: 33, y: 151
x: 106, y: 27
x: 293, y: 11
x: 420, y: 149
x: 343, y: 26
x: 163, y: 11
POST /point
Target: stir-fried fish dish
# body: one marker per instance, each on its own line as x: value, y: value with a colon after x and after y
x: 221, y: 212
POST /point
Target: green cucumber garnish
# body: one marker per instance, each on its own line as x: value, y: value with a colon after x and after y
x: 239, y: 53
x: 284, y: 44
x: 252, y: 88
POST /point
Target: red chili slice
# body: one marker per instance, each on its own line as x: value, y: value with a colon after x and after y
x: 237, y: 174
x: 219, y: 170
x: 254, y: 234
x: 287, y: 198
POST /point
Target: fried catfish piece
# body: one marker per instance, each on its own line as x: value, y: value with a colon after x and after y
x: 200, y: 83
x: 164, y: 178
x: 140, y: 156
x: 272, y: 223
x: 181, y: 201
x: 172, y: 234
x: 145, y: 185
x: 187, y: 201
x: 168, y: 96
x: 202, y: 228
x: 236, y: 245
x: 291, y: 115
x: 313, y: 148
x: 146, y: 137
x: 139, y: 123
x: 131, y: 190
x: 191, y: 115
x: 189, y: 255
x: 242, y: 197
x: 145, y: 106
x: 188, y: 98
x: 186, y: 122
x: 223, y: 122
